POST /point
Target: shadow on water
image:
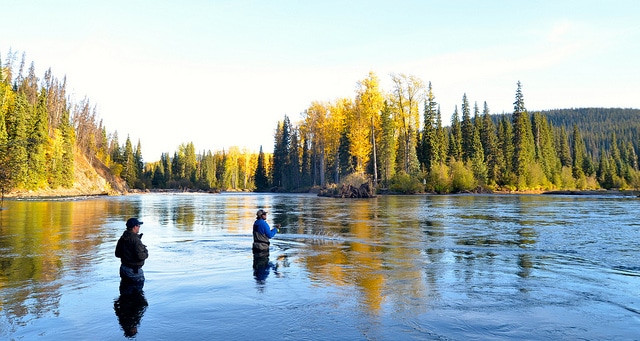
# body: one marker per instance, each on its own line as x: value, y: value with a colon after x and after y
x: 129, y: 308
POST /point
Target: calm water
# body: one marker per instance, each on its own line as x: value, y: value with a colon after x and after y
x: 390, y: 268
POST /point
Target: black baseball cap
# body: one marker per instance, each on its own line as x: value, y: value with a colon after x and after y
x: 133, y: 222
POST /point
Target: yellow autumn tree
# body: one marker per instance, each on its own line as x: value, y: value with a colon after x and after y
x: 364, y: 120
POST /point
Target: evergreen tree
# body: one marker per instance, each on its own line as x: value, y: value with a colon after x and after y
x: 477, y: 160
x: 488, y: 137
x: 307, y: 165
x: 578, y: 153
x: 616, y: 164
x: 6, y: 179
x: 440, y: 146
x: 165, y: 163
x: 564, y: 148
x: 68, y: 150
x: 16, y: 123
x: 387, y: 145
x: 137, y: 157
x: 261, y: 180
x: 130, y: 169
x: 505, y: 155
x: 158, y: 178
x: 188, y: 153
x: 281, y: 153
x: 428, y: 136
x: 37, y: 143
x: 467, y: 129
x: 294, y: 179
x: 546, y: 154
x: 455, y: 136
x: 209, y: 167
x: 523, y: 144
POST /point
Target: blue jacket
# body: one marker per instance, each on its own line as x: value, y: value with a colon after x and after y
x: 261, y: 234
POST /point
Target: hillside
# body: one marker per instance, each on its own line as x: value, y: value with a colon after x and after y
x: 89, y: 181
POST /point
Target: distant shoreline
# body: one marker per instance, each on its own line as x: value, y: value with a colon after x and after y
x: 71, y: 193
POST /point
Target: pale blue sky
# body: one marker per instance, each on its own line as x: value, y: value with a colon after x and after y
x: 222, y: 73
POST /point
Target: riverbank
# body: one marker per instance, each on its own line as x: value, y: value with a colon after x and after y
x: 90, y: 180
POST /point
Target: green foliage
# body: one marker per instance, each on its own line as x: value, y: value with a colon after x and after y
x: 461, y: 177
x: 404, y: 183
x: 439, y: 179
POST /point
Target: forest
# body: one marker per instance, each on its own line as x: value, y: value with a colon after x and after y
x: 397, y: 141
x: 394, y: 140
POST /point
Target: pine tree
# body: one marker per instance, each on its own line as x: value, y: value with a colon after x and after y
x: 428, y: 136
x: 294, y: 178
x: 564, y: 148
x: 455, y: 136
x: 505, y: 154
x: 477, y: 160
x: 261, y: 180
x: 578, y: 153
x: 37, y: 143
x: 158, y: 179
x: 68, y: 150
x: 16, y: 123
x: 488, y: 137
x: 166, y: 163
x: 467, y: 130
x: 281, y: 153
x: 440, y: 146
x: 129, y: 171
x: 523, y: 144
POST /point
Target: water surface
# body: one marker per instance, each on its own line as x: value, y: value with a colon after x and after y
x: 454, y: 267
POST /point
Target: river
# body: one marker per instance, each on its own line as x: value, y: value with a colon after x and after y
x: 454, y: 267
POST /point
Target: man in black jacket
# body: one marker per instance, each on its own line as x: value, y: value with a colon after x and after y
x: 132, y: 254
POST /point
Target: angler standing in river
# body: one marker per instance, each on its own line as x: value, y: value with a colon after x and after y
x: 132, y: 254
x: 262, y: 232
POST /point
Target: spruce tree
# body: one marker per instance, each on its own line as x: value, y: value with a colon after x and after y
x: 488, y: 137
x: 578, y: 152
x: 37, y: 143
x: 523, y: 144
x: 440, y: 146
x: 428, y: 136
x: 261, y: 180
x: 16, y: 121
x: 455, y: 136
x: 68, y: 150
x: 467, y: 130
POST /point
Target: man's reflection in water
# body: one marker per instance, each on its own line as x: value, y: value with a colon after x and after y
x: 130, y: 307
x: 262, y: 266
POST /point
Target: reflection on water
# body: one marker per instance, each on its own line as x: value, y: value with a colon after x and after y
x: 130, y: 307
x: 393, y: 267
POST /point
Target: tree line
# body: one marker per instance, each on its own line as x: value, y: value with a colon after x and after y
x: 397, y: 141
x: 37, y: 137
x: 42, y: 131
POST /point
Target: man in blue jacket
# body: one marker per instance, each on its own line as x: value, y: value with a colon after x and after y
x: 262, y: 232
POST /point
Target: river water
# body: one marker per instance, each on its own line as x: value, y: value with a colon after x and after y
x: 455, y: 267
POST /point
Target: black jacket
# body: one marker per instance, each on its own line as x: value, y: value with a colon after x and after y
x: 130, y: 250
